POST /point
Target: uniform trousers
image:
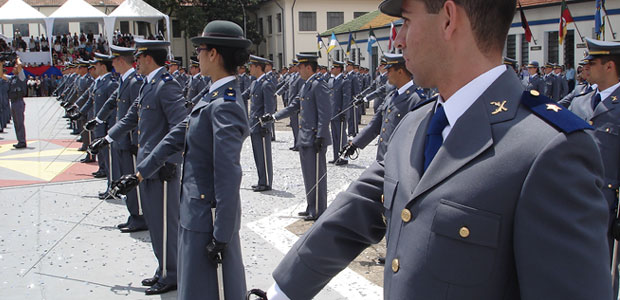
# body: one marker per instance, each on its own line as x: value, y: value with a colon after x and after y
x: 122, y: 163
x: 308, y: 158
x: 339, y: 136
x: 17, y: 112
x: 261, y: 147
x: 151, y: 191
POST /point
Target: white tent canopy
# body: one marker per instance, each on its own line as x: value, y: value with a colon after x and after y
x: 19, y: 12
x: 134, y: 10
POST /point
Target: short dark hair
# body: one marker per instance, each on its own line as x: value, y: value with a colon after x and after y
x: 128, y: 59
x: 313, y: 65
x: 402, y: 67
x: 613, y: 58
x: 232, y: 57
x: 489, y: 21
x: 159, y: 56
x: 261, y: 66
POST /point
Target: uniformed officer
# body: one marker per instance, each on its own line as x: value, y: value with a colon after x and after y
x: 341, y: 97
x: 376, y: 91
x: 513, y: 63
x: 17, y: 91
x: 488, y: 192
x: 561, y: 79
x: 599, y: 108
x: 262, y: 97
x: 313, y: 106
x: 243, y: 79
x: 582, y: 88
x: 290, y: 91
x: 160, y: 108
x: 125, y: 148
x: 195, y: 85
x: 353, y: 117
x: 392, y: 111
x: 535, y: 82
x: 211, y: 137
x: 553, y: 87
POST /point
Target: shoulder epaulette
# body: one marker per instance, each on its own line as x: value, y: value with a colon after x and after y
x: 138, y: 77
x: 166, y: 77
x: 424, y: 102
x: 230, y: 94
x: 552, y: 113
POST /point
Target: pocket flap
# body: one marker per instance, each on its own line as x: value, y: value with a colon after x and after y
x: 466, y: 224
x: 389, y: 188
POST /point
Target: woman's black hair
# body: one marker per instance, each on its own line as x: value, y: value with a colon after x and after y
x: 232, y: 57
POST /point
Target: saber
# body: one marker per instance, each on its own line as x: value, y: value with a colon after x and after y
x: 341, y: 134
x: 265, y: 160
x: 219, y: 266
x: 355, y: 120
x: 165, y: 238
x: 138, y: 188
x: 316, y: 191
x: 110, y: 164
x: 342, y: 112
x: 614, y: 259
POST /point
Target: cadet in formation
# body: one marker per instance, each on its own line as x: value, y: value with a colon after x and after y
x: 125, y: 148
x: 211, y: 138
x: 313, y: 106
x: 160, y: 108
x: 600, y: 109
x: 289, y: 91
x: 458, y: 186
x: 535, y: 82
x: 581, y: 88
x: 262, y: 101
x: 340, y: 103
x: 392, y: 110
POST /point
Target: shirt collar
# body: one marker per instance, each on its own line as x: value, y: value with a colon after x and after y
x: 126, y: 74
x: 606, y: 93
x: 151, y: 75
x: 350, y: 72
x: 338, y: 76
x: 460, y: 101
x: 257, y: 79
x: 405, y: 87
x: 222, y: 81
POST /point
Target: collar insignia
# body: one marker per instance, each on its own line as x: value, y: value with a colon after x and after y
x: 499, y: 107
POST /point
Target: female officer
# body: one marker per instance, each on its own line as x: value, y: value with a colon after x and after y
x: 211, y: 138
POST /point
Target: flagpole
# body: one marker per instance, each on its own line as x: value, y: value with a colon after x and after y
x: 578, y: 32
x: 613, y: 34
x: 574, y: 22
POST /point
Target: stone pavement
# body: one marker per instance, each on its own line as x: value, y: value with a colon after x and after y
x: 58, y: 241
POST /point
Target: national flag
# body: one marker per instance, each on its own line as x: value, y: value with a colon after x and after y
x: 321, y: 45
x: 351, y: 43
x: 371, y: 40
x: 391, y: 45
x: 565, y: 18
x: 332, y: 43
x: 525, y: 25
x: 599, y: 22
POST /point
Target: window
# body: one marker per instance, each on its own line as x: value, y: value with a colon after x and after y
x: 59, y: 28
x: 569, y: 48
x: 511, y: 46
x: 307, y: 21
x: 176, y: 29
x: 358, y: 14
x: 552, y: 46
x: 24, y: 30
x: 334, y: 19
x: 525, y: 50
x: 271, y: 57
x: 269, y: 25
x: 279, y: 22
x: 280, y: 60
x: 143, y: 28
x: 260, y: 26
x: 124, y: 27
x: 89, y: 27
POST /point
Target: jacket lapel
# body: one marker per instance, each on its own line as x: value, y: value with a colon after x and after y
x: 607, y: 104
x: 472, y: 134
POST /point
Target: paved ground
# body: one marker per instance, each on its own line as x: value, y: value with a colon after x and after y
x: 57, y: 240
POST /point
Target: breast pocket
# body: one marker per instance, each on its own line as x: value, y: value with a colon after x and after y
x: 463, y: 243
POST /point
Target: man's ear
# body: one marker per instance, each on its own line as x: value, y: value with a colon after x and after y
x: 450, y: 14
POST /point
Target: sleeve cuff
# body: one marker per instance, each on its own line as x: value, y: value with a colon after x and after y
x: 98, y: 120
x: 109, y: 139
x: 275, y: 293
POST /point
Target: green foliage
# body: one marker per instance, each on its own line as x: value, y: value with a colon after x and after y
x: 193, y: 15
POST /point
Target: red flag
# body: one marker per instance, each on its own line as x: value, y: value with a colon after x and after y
x: 565, y: 18
x: 392, y: 37
x: 525, y: 25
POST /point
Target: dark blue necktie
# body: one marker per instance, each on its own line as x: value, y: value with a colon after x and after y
x: 596, y: 100
x: 434, y: 139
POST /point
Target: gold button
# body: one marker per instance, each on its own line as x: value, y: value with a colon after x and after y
x: 590, y: 122
x: 610, y: 186
x: 405, y: 215
x: 202, y: 196
x: 464, y: 232
x: 399, y: 115
x: 389, y: 110
x: 383, y: 129
x: 395, y: 265
x: 534, y: 93
x: 138, y: 145
x: 386, y: 120
x: 606, y: 129
x: 299, y: 126
x: 380, y: 139
x: 138, y: 131
x: 148, y: 106
x: 382, y: 199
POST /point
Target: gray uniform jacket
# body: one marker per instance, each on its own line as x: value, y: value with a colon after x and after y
x: 81, y: 85
x: 579, y: 90
x: 605, y: 119
x: 118, y: 105
x: 195, y: 85
x: 313, y: 106
x: 536, y: 83
x: 553, y: 87
x: 386, y: 119
x: 341, y: 95
x: 563, y: 85
x: 489, y: 219
x: 262, y: 95
x: 379, y: 94
x: 102, y: 90
x: 158, y: 114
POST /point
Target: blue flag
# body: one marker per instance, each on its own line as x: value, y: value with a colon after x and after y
x: 599, y: 22
x: 371, y: 40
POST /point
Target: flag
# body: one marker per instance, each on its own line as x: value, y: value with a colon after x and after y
x: 371, y: 40
x: 599, y: 22
x: 351, y: 43
x: 525, y: 25
x: 332, y: 43
x: 320, y: 43
x: 565, y: 18
x: 391, y: 45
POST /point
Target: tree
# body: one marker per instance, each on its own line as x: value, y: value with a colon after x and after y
x: 193, y: 15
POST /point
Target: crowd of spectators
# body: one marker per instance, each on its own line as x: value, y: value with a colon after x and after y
x: 42, y: 86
